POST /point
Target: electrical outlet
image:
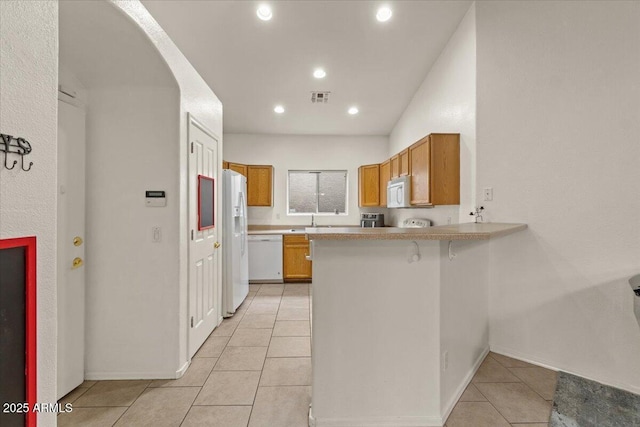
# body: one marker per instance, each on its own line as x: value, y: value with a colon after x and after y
x: 445, y: 360
x: 488, y: 194
x: 156, y: 237
x: 448, y: 220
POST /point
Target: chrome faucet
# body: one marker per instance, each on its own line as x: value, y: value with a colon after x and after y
x: 313, y: 222
x: 477, y: 213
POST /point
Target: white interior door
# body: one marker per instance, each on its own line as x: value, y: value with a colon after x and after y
x: 71, y: 232
x: 204, y: 257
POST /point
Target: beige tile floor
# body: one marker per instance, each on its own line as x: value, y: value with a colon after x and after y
x: 506, y: 392
x: 255, y: 370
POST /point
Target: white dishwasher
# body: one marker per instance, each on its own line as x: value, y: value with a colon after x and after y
x: 265, y: 258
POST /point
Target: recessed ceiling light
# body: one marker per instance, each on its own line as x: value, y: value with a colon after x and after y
x: 319, y: 73
x: 384, y: 14
x: 353, y: 110
x: 264, y: 12
x: 279, y: 109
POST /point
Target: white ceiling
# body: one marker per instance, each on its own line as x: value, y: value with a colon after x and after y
x: 101, y: 47
x: 253, y: 65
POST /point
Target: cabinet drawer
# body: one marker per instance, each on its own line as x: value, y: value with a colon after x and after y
x: 295, y: 238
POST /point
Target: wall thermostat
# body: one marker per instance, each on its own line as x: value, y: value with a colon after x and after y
x: 154, y: 199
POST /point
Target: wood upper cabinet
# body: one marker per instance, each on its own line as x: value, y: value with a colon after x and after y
x: 259, y: 185
x: 225, y: 164
x: 242, y: 169
x: 369, y: 185
x: 435, y: 170
x: 394, y: 166
x: 294, y: 251
x: 385, y: 177
x: 403, y: 162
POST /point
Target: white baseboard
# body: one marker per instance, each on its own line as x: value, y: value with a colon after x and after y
x: 376, y: 422
x: 546, y: 364
x: 517, y: 355
x: 407, y: 421
x: 312, y: 420
x: 463, y: 386
x: 180, y: 372
x: 101, y: 376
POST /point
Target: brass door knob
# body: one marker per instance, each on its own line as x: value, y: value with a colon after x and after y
x: 77, y: 241
x: 216, y: 245
x: 77, y: 262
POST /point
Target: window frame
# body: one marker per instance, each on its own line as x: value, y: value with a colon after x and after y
x: 346, y: 193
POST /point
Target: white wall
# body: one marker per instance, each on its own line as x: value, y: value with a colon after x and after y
x: 199, y: 100
x: 28, y: 108
x: 132, y: 290
x: 137, y: 141
x: 445, y: 103
x: 558, y: 132
x: 303, y: 152
x: 464, y: 315
x: 132, y: 283
x: 375, y: 335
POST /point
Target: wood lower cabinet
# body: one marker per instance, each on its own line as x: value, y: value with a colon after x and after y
x: 242, y: 169
x: 369, y: 185
x: 295, y: 249
x: 385, y: 177
x: 435, y: 170
x: 259, y: 185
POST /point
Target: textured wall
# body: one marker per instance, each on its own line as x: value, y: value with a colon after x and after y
x: 132, y: 283
x: 445, y: 102
x: 464, y: 315
x: 199, y: 100
x: 28, y: 108
x: 558, y: 132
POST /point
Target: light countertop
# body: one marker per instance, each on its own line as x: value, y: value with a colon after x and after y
x: 466, y: 231
x: 284, y: 229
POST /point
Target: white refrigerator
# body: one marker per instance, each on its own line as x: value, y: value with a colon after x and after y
x: 235, y: 259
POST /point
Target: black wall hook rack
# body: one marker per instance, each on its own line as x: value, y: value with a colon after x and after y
x: 19, y: 146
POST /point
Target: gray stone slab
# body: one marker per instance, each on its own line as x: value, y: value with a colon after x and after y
x: 579, y: 402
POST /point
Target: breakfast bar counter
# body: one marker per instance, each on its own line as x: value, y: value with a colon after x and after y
x: 400, y: 320
x: 467, y: 231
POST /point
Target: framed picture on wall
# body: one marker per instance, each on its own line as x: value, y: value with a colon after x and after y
x: 206, y: 189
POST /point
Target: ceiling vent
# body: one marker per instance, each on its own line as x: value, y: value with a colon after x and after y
x: 320, y: 97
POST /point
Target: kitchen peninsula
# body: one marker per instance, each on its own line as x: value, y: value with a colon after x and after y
x: 400, y: 321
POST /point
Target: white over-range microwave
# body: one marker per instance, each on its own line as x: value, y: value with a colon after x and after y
x: 399, y: 192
